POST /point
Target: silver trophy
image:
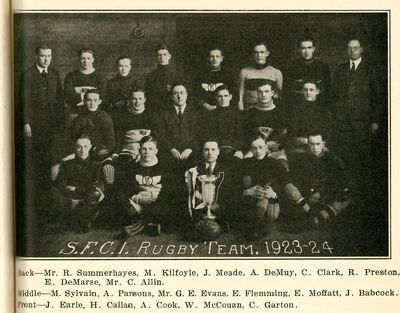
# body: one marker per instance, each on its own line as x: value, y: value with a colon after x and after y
x: 209, y: 194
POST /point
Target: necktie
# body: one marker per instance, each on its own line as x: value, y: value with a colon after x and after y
x: 180, y: 115
x: 45, y: 75
x: 352, y: 71
x: 209, y: 170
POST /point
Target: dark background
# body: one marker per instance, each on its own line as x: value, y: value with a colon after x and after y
x: 189, y: 36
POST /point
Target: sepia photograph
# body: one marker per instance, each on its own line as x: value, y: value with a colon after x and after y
x: 202, y: 134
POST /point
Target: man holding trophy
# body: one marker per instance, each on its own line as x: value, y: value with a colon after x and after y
x: 211, y: 194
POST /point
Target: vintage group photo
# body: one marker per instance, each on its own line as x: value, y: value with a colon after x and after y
x: 202, y: 134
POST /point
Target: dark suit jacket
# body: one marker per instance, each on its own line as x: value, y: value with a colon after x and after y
x: 357, y: 102
x: 181, y: 136
x: 40, y: 102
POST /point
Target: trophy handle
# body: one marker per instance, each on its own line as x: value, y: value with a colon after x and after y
x: 221, y: 176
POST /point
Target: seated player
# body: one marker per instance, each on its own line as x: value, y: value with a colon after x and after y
x: 211, y: 187
x: 79, y: 81
x: 143, y: 191
x: 210, y: 78
x: 179, y: 130
x: 94, y: 122
x: 224, y: 124
x: 79, y: 187
x: 263, y: 179
x: 134, y: 118
x: 316, y: 182
x: 305, y: 116
x: 119, y: 87
x: 266, y: 119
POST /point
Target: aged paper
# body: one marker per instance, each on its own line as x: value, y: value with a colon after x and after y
x: 214, y: 276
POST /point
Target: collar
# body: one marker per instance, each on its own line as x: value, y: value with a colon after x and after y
x: 356, y: 62
x: 41, y: 69
x: 88, y: 71
x: 212, y: 164
x: 270, y: 108
x: 181, y: 108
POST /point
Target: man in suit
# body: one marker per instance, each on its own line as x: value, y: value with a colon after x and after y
x: 179, y: 129
x: 42, y: 115
x: 358, y: 110
x: 213, y: 188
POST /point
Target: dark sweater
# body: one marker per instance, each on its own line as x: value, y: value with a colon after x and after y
x: 97, y: 125
x: 117, y: 90
x: 207, y: 81
x: 79, y: 174
x: 299, y: 71
x: 158, y: 86
x: 78, y: 79
x: 323, y: 173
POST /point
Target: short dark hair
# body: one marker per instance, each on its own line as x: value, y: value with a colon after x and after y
x: 41, y: 47
x: 311, y: 81
x: 96, y: 91
x: 82, y: 136
x: 137, y: 88
x: 210, y: 139
x: 356, y: 38
x: 305, y: 38
x: 216, y: 48
x: 121, y: 57
x: 263, y: 82
x: 84, y: 50
x: 178, y: 83
x: 161, y: 46
x: 259, y: 43
x: 149, y: 139
x: 316, y: 132
x: 222, y: 87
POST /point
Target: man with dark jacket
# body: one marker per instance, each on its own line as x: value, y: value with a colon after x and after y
x: 358, y: 110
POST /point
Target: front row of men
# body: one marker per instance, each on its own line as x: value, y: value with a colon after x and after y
x: 137, y: 191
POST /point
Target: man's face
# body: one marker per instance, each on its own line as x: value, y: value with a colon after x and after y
x: 82, y: 148
x: 92, y: 101
x: 43, y: 58
x: 223, y: 98
x: 163, y: 56
x: 148, y: 151
x: 137, y: 100
x: 124, y: 67
x: 210, y: 151
x: 354, y: 50
x: 310, y: 92
x: 260, y: 54
x: 259, y: 148
x: 86, y: 60
x: 265, y: 94
x: 179, y: 95
x: 316, y: 144
x: 215, y: 58
x: 307, y: 50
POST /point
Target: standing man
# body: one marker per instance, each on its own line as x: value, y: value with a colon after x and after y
x: 358, y: 110
x: 118, y: 87
x: 212, y: 77
x: 307, y: 67
x: 81, y: 80
x: 42, y: 110
x: 250, y: 76
x: 159, y: 82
